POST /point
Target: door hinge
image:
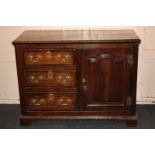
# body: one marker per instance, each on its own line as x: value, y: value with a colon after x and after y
x: 129, y: 100
x: 130, y: 59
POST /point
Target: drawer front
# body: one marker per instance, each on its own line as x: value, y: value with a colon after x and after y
x: 55, y: 101
x: 50, y: 78
x: 48, y: 57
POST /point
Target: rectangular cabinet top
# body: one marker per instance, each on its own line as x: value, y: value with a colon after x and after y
x: 76, y: 36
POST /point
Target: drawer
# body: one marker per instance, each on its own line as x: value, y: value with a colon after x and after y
x: 48, y: 57
x: 52, y: 77
x: 51, y: 101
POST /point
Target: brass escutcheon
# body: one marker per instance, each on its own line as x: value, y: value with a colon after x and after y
x: 50, y: 75
x: 48, y: 54
x: 51, y: 97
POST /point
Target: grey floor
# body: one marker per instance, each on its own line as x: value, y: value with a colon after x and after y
x: 9, y: 119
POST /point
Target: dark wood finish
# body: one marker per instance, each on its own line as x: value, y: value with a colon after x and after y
x: 48, y: 57
x: 77, y: 75
x: 49, y: 101
x: 131, y: 121
x: 50, y: 77
x: 73, y: 36
x: 104, y: 70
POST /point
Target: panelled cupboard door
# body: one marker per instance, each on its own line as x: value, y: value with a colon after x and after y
x: 106, y: 77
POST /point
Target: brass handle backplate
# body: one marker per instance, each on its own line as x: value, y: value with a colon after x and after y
x: 51, y: 99
x: 63, y: 58
x: 64, y: 101
x: 64, y: 78
x: 34, y: 59
x: 36, y: 78
x: 38, y: 101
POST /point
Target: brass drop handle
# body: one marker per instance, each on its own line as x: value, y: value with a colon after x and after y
x: 64, y: 102
x: 66, y: 58
x: 63, y: 58
x: 67, y: 77
x: 38, y: 102
x: 34, y: 59
x: 36, y: 78
x: 68, y: 101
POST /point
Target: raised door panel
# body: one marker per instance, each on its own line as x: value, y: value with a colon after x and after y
x: 105, y: 79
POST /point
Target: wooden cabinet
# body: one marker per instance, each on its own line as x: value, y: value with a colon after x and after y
x: 63, y: 76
